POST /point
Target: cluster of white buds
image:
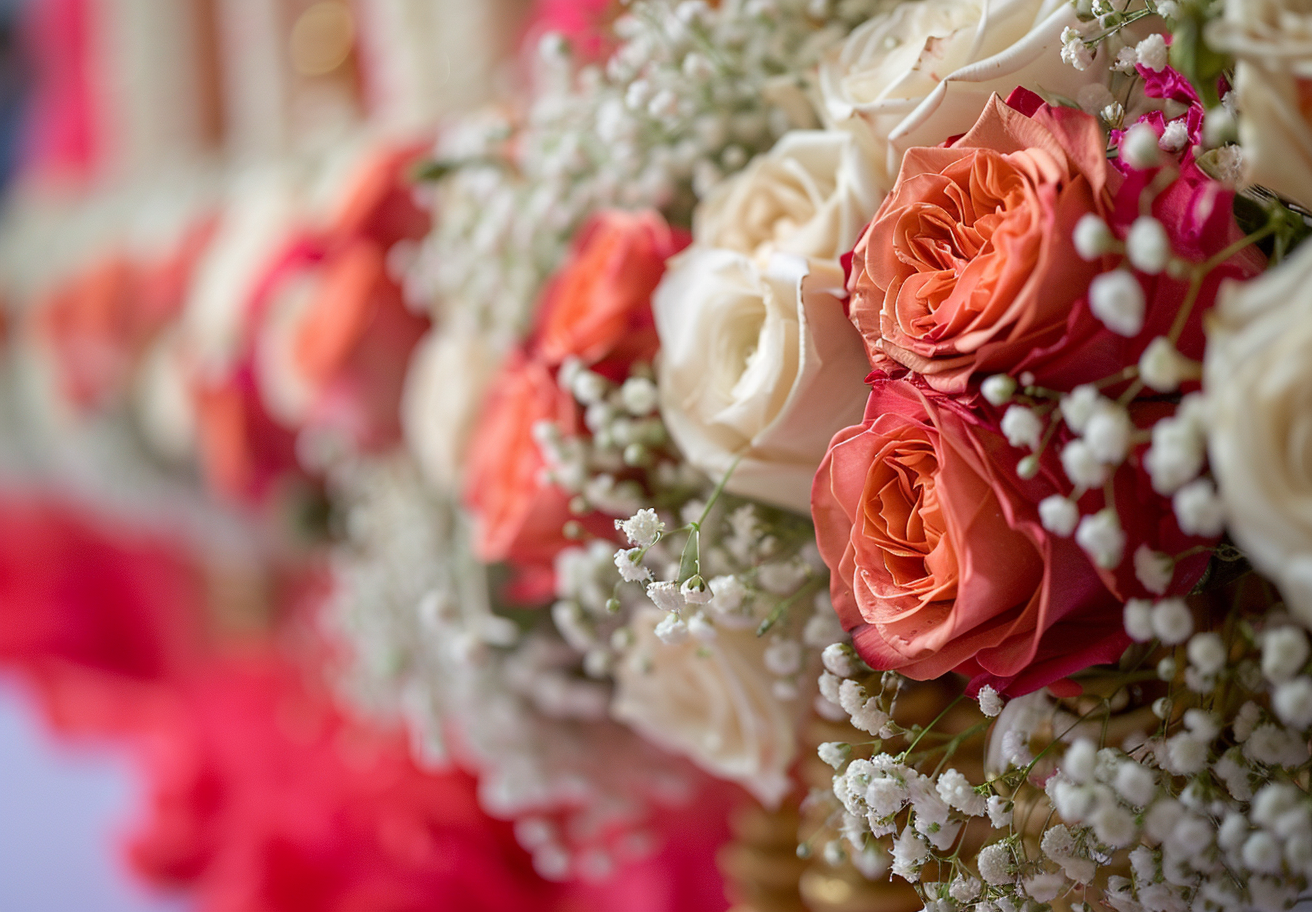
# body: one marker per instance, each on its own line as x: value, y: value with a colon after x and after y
x: 431, y: 648
x: 690, y: 93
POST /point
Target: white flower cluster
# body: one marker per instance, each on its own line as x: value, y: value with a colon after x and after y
x: 506, y: 700
x: 691, y: 93
x: 1201, y: 804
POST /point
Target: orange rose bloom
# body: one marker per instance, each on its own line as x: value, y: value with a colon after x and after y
x: 519, y: 514
x: 599, y: 304
x: 938, y: 559
x: 970, y: 265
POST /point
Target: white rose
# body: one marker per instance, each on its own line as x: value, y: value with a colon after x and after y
x: 759, y: 367
x: 445, y: 385
x: 711, y: 701
x: 1258, y: 382
x: 923, y: 71
x: 1272, y: 41
x: 810, y: 195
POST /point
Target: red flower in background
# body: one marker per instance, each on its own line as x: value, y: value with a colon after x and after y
x: 98, y: 323
x: 263, y: 795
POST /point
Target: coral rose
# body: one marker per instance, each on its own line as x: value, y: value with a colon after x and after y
x: 938, y: 557
x: 519, y: 514
x: 598, y: 304
x: 969, y: 265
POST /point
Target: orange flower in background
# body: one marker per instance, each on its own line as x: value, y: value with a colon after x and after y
x: 335, y: 333
x: 970, y: 265
x: 98, y: 323
x: 598, y: 305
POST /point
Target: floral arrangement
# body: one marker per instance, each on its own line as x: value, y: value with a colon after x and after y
x: 885, y: 412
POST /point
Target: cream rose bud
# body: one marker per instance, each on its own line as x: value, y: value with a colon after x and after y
x: 810, y: 195
x: 444, y: 388
x: 1270, y: 40
x: 924, y: 71
x: 710, y: 701
x: 757, y: 366
x: 1257, y: 376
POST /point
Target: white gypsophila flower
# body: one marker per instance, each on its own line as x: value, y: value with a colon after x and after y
x: 1113, y: 825
x: 841, y: 659
x: 834, y: 753
x: 694, y: 591
x: 1081, y: 464
x: 1117, y: 300
x: 1161, y: 366
x: 1108, y: 433
x: 1044, y: 887
x: 1201, y: 724
x: 1171, y: 621
x: 1022, y: 427
x: 1134, y: 783
x: 1078, y: 761
x: 909, y: 852
x: 1284, y: 652
x: 1207, y: 652
x: 1093, y: 239
x: 672, y: 630
x: 642, y: 528
x: 1059, y: 515
x: 1175, y: 456
x: 1101, y: 537
x: 1147, y: 246
x: 998, y: 389
x: 964, y: 888
x: 639, y: 396
x: 1139, y: 146
x: 995, y: 864
x: 1292, y: 702
x: 1153, y: 568
x: 1273, y: 745
x: 783, y: 657
x: 1075, y: 51
x: 999, y: 811
x: 630, y: 568
x: 665, y: 595
x: 1198, y: 508
x: 956, y: 790
x: 990, y: 702
x: 1175, y: 136
x: 1245, y: 721
x: 1078, y: 406
x: 1138, y: 618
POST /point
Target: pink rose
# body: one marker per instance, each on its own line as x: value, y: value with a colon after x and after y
x: 939, y: 561
x: 969, y: 264
x: 598, y: 305
x: 969, y: 267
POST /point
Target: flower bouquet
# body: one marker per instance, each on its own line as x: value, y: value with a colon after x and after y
x: 882, y: 416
